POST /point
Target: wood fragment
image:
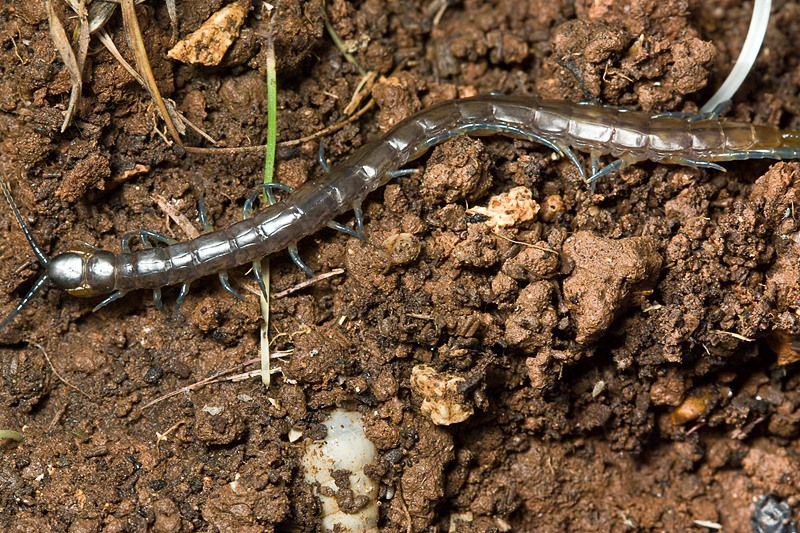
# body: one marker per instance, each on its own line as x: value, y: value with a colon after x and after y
x: 208, y: 44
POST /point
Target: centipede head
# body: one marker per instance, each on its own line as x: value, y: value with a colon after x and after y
x: 80, y: 272
x: 83, y: 272
x: 44, y: 278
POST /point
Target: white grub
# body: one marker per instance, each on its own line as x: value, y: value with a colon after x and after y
x: 441, y: 400
x: 345, y: 447
x: 508, y: 209
x: 208, y: 44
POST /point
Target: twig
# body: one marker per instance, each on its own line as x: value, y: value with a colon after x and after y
x: 338, y: 41
x: 305, y: 283
x: 732, y: 334
x: 285, y: 144
x: 179, y: 218
x: 214, y: 378
x: 134, y: 35
x: 64, y: 49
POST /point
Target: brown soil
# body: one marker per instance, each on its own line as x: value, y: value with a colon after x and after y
x: 614, y: 351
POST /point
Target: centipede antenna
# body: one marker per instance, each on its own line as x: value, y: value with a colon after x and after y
x: 40, y: 255
x: 41, y: 282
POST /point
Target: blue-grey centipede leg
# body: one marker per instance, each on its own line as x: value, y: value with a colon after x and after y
x: 401, y: 172
x: 685, y: 161
x: 344, y: 229
x: 595, y: 161
x: 182, y: 295
x: 258, y: 273
x: 157, y: 299
x: 247, y: 210
x: 267, y: 189
x: 572, y: 156
x: 359, y: 213
x: 146, y: 234
x: 295, y: 255
x: 323, y: 163
x: 114, y: 297
x: 608, y: 169
x: 226, y: 284
x: 558, y: 147
x: 88, y: 246
x: 203, y: 213
x: 223, y: 276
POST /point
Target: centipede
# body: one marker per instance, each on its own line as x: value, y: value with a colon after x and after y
x: 701, y: 140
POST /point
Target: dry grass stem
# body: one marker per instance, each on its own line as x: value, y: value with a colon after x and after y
x: 61, y: 42
x: 176, y: 216
x: 223, y: 375
x: 134, y: 35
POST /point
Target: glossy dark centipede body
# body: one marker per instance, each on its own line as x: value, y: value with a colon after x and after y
x: 630, y: 136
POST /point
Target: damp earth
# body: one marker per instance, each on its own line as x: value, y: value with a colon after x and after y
x: 621, y: 360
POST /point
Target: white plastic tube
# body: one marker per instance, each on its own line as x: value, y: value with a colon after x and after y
x: 750, y: 49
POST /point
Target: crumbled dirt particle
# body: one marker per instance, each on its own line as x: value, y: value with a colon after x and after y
x: 458, y: 169
x: 218, y: 425
x: 167, y: 516
x: 534, y: 317
x: 533, y: 263
x: 478, y: 249
x: 668, y: 389
x: 87, y: 173
x: 607, y: 276
x: 396, y: 97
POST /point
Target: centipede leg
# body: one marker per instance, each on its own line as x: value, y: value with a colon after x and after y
x: 358, y: 233
x: 144, y: 237
x: 323, y: 162
x: 401, y: 172
x: 357, y: 211
x: 565, y: 150
x: 226, y: 284
x: 595, y: 161
x: 114, y: 297
x: 292, y: 248
x: 267, y: 189
x: 559, y: 147
x: 182, y: 295
x: 223, y: 276
x: 203, y: 213
x: 344, y: 229
x: 624, y: 161
x: 295, y: 255
x: 687, y: 162
x: 258, y: 273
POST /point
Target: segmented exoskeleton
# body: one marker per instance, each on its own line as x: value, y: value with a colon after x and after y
x: 701, y: 141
